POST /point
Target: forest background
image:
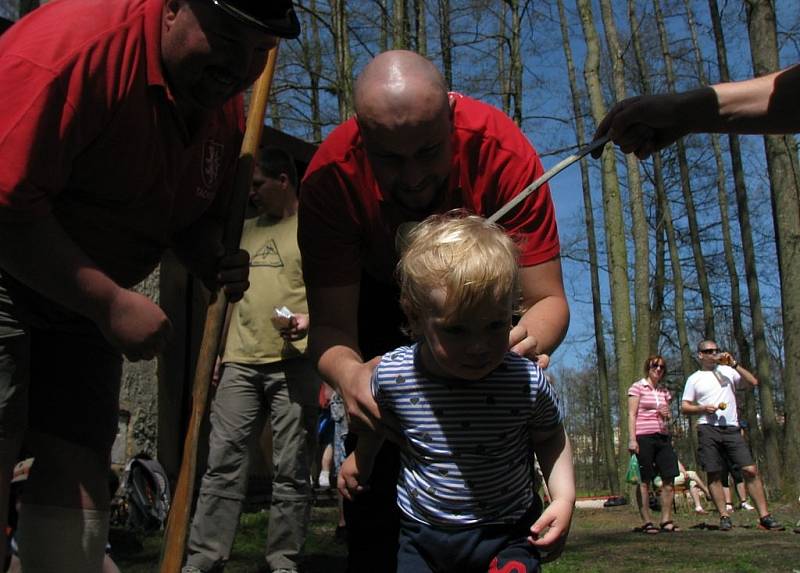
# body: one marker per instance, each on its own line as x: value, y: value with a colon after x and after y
x: 700, y: 241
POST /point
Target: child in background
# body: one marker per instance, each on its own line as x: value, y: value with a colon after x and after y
x: 325, y: 431
x: 468, y: 409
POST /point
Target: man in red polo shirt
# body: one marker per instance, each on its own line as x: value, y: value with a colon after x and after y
x: 120, y: 129
x: 412, y: 150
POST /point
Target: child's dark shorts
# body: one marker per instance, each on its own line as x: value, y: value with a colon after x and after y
x: 480, y: 549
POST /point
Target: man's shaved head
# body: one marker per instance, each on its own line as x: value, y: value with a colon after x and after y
x: 405, y: 118
x: 399, y: 86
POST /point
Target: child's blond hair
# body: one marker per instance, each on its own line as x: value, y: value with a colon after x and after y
x: 464, y: 255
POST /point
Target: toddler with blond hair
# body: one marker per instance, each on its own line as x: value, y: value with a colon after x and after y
x: 470, y: 411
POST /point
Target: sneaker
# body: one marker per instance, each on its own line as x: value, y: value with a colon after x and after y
x: 729, y: 508
x: 746, y: 506
x: 191, y: 569
x: 284, y: 571
x: 324, y: 480
x: 770, y: 524
x: 725, y: 523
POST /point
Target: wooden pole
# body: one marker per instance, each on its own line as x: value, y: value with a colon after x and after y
x: 180, y: 510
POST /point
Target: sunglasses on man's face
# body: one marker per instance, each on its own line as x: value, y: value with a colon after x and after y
x: 657, y: 367
x: 709, y: 350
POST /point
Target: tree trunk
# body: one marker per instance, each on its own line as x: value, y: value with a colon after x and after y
x: 399, y: 25
x: 641, y: 247
x: 503, y: 73
x: 344, y: 60
x: 314, y: 64
x: 446, y: 41
x: 666, y: 230
x: 615, y: 237
x: 383, y: 39
x: 606, y: 427
x: 743, y: 345
x: 515, y: 60
x: 686, y: 188
x: 781, y: 165
x: 420, y: 31
x: 767, y: 434
x: 659, y: 278
x: 687, y: 362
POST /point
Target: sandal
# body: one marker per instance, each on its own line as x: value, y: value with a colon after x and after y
x: 648, y: 528
x: 669, y: 527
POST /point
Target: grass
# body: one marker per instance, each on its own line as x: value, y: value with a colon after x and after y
x: 601, y: 540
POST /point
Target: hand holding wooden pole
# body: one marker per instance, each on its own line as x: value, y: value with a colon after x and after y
x: 180, y: 511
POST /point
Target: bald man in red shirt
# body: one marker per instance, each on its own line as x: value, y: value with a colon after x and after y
x: 413, y: 149
x: 120, y: 130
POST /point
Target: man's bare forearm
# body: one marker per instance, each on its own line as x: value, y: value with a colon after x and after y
x: 547, y: 321
x: 767, y: 104
x: 42, y: 256
x: 335, y: 354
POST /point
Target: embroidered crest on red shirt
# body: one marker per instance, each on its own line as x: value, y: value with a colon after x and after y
x: 212, y: 160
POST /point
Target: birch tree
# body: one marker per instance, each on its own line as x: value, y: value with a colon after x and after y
x: 606, y: 427
x: 782, y: 167
x: 686, y: 187
x: 641, y: 249
x: 615, y: 235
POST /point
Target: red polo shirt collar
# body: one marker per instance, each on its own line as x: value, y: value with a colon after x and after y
x: 152, y: 38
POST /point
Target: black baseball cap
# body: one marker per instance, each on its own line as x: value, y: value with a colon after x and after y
x: 274, y: 16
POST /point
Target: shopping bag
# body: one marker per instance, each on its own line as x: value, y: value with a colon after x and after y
x: 633, y: 476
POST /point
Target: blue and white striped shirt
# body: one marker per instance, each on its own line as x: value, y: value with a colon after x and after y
x: 468, y: 461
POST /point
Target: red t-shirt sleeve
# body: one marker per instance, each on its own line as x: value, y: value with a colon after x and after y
x: 48, y: 119
x: 326, y: 218
x: 35, y: 118
x: 509, y: 157
x: 495, y: 163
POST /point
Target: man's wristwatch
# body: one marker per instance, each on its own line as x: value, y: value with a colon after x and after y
x: 735, y: 365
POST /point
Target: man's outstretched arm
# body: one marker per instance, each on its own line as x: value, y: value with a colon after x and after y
x: 645, y: 124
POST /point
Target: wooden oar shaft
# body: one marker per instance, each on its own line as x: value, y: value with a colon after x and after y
x: 180, y: 510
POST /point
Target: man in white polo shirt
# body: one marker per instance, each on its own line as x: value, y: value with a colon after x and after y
x: 710, y: 394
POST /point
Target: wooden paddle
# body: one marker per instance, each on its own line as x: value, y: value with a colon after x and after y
x: 180, y: 511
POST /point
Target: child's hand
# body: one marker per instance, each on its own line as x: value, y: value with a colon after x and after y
x: 352, y: 480
x: 557, y: 517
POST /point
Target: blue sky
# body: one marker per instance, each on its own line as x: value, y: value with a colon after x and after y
x: 566, y: 187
